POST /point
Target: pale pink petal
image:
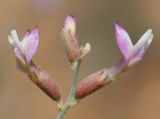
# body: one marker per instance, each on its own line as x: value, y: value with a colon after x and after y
x: 26, y: 34
x: 20, y: 55
x: 70, y: 24
x: 116, y: 69
x: 20, y: 60
x: 30, y: 43
x: 141, y: 47
x: 123, y: 41
x: 16, y: 45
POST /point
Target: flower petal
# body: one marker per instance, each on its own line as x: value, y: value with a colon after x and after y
x: 123, y: 41
x: 11, y: 41
x: 70, y: 24
x: 117, y: 69
x: 19, y: 55
x: 16, y: 45
x: 20, y: 60
x: 15, y: 40
x: 30, y: 43
x: 26, y: 34
x: 85, y: 50
x: 141, y: 47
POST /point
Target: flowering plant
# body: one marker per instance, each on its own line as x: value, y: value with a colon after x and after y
x: 26, y: 48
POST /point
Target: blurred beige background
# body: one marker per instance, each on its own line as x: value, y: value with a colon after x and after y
x: 136, y: 96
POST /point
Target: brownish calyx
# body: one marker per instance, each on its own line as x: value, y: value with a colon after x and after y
x: 44, y: 82
x: 92, y: 83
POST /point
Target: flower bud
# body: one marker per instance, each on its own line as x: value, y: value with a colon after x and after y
x: 92, y: 83
x: 68, y: 36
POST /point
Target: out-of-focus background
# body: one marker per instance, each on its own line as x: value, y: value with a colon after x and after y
x: 135, y: 96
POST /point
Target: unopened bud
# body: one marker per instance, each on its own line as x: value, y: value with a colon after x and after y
x: 92, y: 83
x: 68, y: 36
x: 44, y: 82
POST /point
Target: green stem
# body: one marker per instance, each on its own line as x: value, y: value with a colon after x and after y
x: 71, y: 98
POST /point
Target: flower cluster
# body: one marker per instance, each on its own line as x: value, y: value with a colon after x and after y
x: 25, y: 49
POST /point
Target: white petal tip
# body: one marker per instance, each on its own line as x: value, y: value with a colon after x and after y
x: 150, y: 37
x: 87, y: 47
x: 13, y: 32
x: 150, y: 30
x: 85, y: 50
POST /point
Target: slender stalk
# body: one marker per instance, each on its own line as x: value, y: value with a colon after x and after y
x: 71, y: 98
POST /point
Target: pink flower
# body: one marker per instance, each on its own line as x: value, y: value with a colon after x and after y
x: 132, y: 53
x: 70, y: 41
x: 24, y: 49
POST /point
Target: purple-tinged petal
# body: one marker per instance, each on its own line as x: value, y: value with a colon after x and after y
x: 123, y: 41
x: 117, y: 69
x: 30, y: 43
x: 26, y: 34
x: 20, y: 62
x: 70, y: 24
x: 141, y: 47
x: 19, y: 55
x: 144, y: 41
x: 25, y: 48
